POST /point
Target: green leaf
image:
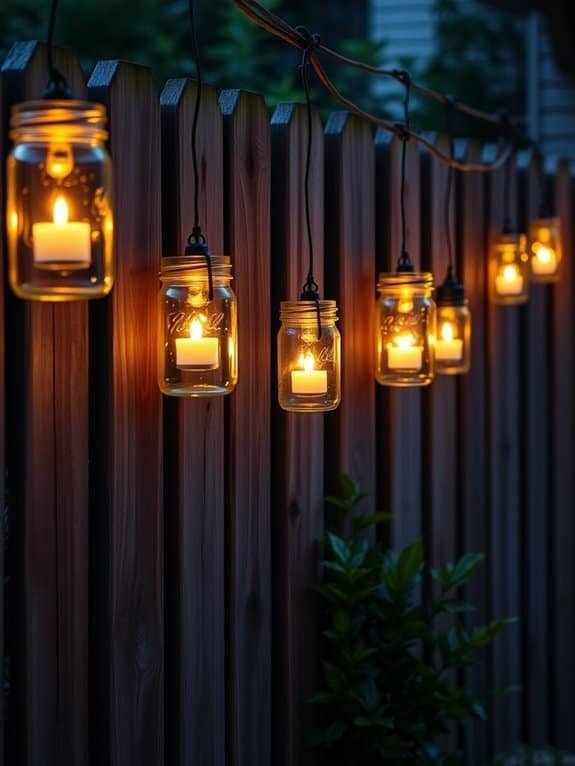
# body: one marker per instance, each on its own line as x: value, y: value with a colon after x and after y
x: 348, y: 487
x: 410, y: 561
x: 335, y: 732
x: 339, y: 547
x: 370, y: 693
x: 321, y: 698
x: 333, y: 566
x: 373, y: 518
x: 454, y: 607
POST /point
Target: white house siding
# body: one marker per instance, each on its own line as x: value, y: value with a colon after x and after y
x: 550, y: 95
x: 409, y: 28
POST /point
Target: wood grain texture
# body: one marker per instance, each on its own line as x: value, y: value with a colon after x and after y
x: 439, y: 411
x: 536, y: 446
x: 562, y: 414
x: 48, y: 468
x: 350, y: 279
x: 247, y: 234
x: 504, y: 482
x: 472, y: 418
x: 126, y: 437
x: 399, y: 432
x: 297, y: 449
x: 193, y: 461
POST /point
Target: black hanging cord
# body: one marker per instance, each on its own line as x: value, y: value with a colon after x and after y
x: 57, y: 84
x: 197, y: 244
x: 196, y: 235
x: 449, y: 104
x: 310, y: 289
x: 402, y: 131
x: 506, y: 128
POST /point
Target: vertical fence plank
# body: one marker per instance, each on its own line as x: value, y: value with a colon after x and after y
x: 472, y: 494
x: 126, y: 438
x: 247, y: 185
x: 193, y: 461
x: 47, y: 429
x: 536, y: 443
x: 504, y: 481
x: 399, y: 433
x: 438, y: 399
x: 350, y: 279
x: 562, y: 413
x: 3, y: 499
x: 439, y: 405
x: 297, y: 447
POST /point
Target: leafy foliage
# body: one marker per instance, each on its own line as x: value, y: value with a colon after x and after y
x: 387, y: 694
x: 479, y: 56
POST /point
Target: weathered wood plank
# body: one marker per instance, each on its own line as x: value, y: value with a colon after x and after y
x: 439, y: 399
x: 297, y: 448
x: 247, y: 235
x: 536, y: 443
x: 193, y: 461
x: 48, y: 470
x: 399, y: 431
x: 440, y: 437
x: 472, y: 419
x: 504, y: 482
x: 125, y: 477
x: 562, y: 412
x: 350, y: 279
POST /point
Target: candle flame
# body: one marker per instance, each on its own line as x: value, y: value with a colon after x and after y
x: 447, y: 331
x: 544, y: 254
x: 510, y: 272
x: 196, y: 329
x: 307, y: 362
x: 60, y: 211
x: 405, y: 341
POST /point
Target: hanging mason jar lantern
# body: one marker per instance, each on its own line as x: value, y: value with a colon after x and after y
x: 405, y: 329
x: 309, y: 356
x: 453, y: 341
x: 545, y: 249
x: 198, y: 343
x: 509, y: 270
x: 59, y: 201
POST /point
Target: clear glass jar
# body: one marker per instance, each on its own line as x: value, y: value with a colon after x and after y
x: 198, y: 337
x: 545, y: 249
x: 59, y: 201
x: 453, y: 341
x: 309, y: 366
x: 509, y: 270
x: 405, y: 329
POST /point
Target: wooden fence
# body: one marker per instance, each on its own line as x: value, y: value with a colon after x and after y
x: 160, y: 553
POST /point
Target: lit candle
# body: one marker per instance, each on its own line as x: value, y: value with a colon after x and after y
x: 308, y: 380
x: 447, y: 347
x: 62, y: 244
x: 509, y: 281
x: 544, y: 261
x: 197, y: 352
x: 402, y: 354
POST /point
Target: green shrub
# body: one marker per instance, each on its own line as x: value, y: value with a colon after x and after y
x: 387, y: 694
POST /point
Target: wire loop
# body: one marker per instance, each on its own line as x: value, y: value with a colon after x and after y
x: 281, y: 29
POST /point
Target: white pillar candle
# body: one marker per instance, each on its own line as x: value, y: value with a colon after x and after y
x: 544, y: 261
x: 402, y: 354
x: 308, y: 381
x: 62, y: 244
x: 448, y: 348
x: 197, y: 352
x: 509, y: 281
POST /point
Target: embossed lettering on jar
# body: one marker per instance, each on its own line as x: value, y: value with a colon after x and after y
x: 198, y: 346
x: 405, y: 329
